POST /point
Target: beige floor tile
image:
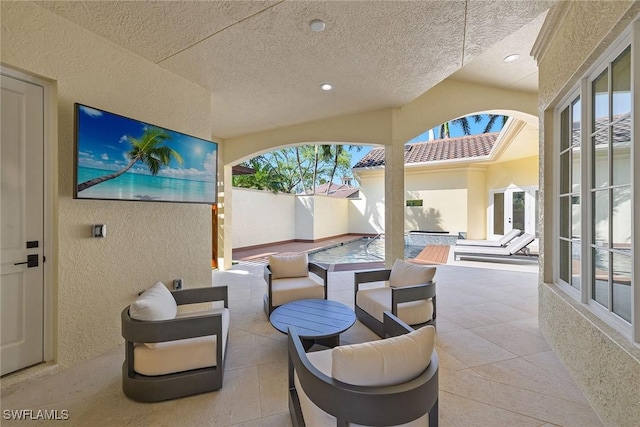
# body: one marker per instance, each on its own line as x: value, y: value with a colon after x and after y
x: 278, y: 420
x: 471, y: 349
x: 524, y: 375
x: 466, y: 383
x: 513, y: 339
x: 550, y: 409
x: 447, y: 361
x: 444, y: 325
x: 465, y: 412
x: 274, y: 385
x: 548, y: 361
x: 84, y: 380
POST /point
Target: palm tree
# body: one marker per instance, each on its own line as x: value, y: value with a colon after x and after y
x: 463, y: 122
x: 148, y: 149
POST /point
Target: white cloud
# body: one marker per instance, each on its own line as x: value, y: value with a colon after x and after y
x: 91, y: 112
x: 123, y: 138
x: 210, y: 162
x: 104, y: 156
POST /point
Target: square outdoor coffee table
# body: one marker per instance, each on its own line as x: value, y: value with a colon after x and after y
x: 317, y: 321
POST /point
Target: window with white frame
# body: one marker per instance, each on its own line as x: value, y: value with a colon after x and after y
x: 594, y: 208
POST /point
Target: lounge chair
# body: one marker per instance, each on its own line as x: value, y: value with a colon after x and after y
x: 501, y: 242
x: 518, y: 246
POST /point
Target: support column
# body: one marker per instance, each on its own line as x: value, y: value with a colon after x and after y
x: 394, y: 197
x: 224, y: 220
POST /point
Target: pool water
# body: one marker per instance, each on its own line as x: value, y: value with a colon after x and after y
x: 361, y: 250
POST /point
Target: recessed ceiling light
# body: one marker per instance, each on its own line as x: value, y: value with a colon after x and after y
x: 326, y: 86
x: 317, y: 25
x: 511, y: 58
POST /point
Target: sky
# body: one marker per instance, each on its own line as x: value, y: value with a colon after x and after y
x: 102, y: 143
x: 455, y: 130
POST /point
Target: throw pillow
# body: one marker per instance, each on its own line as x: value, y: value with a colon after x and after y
x: 408, y: 274
x: 289, y: 265
x: 156, y: 303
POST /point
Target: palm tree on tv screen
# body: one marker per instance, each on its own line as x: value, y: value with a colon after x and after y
x: 147, y: 149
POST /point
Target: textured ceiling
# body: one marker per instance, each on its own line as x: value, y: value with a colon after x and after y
x: 264, y: 66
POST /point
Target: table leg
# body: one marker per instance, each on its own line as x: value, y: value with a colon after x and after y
x: 333, y: 341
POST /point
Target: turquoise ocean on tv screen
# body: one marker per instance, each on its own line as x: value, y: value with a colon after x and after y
x: 134, y: 186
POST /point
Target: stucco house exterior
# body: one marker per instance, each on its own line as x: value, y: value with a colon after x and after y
x: 480, y: 186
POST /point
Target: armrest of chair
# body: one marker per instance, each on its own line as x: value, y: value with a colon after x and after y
x: 196, y: 295
x: 170, y: 330
x: 319, y: 270
x: 411, y: 293
x: 366, y: 405
x: 393, y: 326
x: 370, y: 276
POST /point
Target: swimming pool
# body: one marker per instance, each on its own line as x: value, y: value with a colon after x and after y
x: 370, y: 249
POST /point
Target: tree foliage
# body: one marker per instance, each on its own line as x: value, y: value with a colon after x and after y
x: 463, y: 122
x: 297, y: 169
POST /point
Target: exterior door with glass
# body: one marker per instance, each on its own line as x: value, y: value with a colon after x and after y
x: 513, y: 208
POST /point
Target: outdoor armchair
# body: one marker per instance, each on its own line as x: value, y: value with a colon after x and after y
x: 288, y: 279
x: 170, y: 355
x: 410, y: 294
x: 389, y: 382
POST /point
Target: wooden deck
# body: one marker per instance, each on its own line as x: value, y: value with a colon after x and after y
x: 433, y: 254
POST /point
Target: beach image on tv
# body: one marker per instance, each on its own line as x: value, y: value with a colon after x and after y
x: 119, y: 158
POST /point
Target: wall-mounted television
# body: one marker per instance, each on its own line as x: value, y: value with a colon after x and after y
x: 119, y: 158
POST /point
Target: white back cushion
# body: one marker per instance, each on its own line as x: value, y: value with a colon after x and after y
x: 408, y: 274
x: 289, y: 265
x: 386, y: 362
x: 156, y: 303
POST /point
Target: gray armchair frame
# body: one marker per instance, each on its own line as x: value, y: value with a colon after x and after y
x: 162, y: 387
x: 314, y: 268
x: 366, y: 405
x: 398, y: 295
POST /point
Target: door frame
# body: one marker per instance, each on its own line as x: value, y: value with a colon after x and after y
x: 528, y: 189
x: 50, y: 186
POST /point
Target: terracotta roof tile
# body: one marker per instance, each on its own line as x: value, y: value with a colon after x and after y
x: 440, y: 149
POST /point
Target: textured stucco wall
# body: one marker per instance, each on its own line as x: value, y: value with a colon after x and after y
x: 366, y: 214
x: 477, y: 201
x: 519, y: 173
x: 261, y: 217
x: 605, y: 364
x: 146, y: 241
x: 444, y: 196
x: 330, y: 216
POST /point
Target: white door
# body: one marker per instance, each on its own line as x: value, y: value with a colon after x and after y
x: 513, y: 208
x: 22, y: 224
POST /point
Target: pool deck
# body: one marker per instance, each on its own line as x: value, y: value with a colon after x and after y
x: 260, y: 255
x: 431, y: 254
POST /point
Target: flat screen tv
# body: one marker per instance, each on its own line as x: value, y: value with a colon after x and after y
x: 118, y: 158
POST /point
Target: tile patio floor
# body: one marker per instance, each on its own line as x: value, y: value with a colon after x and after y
x: 496, y: 368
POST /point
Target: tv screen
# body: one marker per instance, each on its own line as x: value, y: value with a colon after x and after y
x: 118, y: 158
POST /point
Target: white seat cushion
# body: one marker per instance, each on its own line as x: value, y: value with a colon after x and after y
x: 294, y: 289
x: 289, y: 265
x: 181, y: 355
x: 376, y: 301
x: 325, y: 362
